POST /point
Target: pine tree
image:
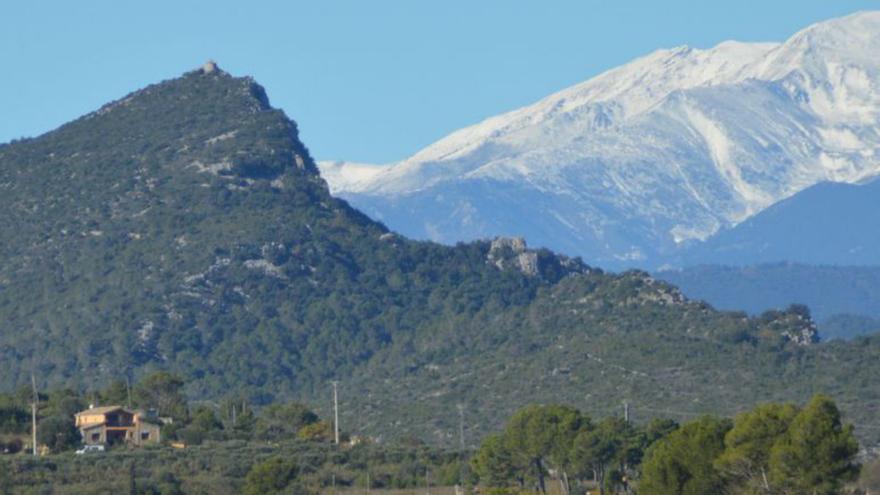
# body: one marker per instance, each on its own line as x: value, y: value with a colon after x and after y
x: 816, y: 456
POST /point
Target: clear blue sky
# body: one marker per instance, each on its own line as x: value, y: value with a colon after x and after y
x: 366, y: 80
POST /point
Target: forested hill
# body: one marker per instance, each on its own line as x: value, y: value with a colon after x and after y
x: 185, y: 227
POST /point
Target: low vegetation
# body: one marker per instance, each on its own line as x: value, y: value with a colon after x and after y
x: 221, y: 448
x: 232, y: 447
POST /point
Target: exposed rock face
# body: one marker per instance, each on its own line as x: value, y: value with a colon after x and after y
x: 516, y: 244
x: 528, y: 263
x: 506, y: 252
x: 807, y: 334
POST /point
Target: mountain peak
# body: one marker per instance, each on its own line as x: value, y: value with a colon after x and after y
x: 669, y: 148
x: 205, y: 120
x: 824, y: 50
x: 209, y: 67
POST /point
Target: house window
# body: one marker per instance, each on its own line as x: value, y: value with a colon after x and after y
x: 96, y: 437
x: 145, y: 435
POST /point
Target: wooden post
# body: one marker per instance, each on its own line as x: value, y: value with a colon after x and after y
x: 34, y: 414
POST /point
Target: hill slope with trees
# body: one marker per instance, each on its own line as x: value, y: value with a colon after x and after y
x: 186, y: 228
x: 844, y: 300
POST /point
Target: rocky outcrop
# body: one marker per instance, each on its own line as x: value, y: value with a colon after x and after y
x: 794, y: 325
x: 805, y: 333
x: 512, y: 253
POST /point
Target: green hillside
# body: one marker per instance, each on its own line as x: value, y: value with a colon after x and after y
x: 185, y: 227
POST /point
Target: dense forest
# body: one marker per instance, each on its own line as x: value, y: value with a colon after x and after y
x: 185, y: 228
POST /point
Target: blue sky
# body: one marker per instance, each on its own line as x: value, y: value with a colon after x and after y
x: 370, y: 81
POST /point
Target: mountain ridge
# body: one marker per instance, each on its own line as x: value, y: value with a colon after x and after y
x: 672, y: 147
x: 828, y: 223
x: 842, y: 299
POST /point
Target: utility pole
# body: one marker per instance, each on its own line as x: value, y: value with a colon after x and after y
x: 128, y: 389
x: 335, y: 412
x: 461, y: 429
x: 34, y: 413
x: 462, y: 465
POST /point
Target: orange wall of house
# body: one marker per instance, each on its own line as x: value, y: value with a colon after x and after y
x: 89, y: 419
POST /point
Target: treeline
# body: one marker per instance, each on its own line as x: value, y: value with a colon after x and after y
x: 774, y: 448
x: 162, y: 392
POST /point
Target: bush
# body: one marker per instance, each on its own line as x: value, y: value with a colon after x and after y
x: 270, y: 476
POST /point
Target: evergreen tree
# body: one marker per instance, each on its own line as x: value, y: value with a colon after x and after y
x: 542, y: 436
x: 597, y: 448
x: 745, y: 462
x: 164, y: 392
x: 817, y: 454
x: 494, y: 463
x: 271, y: 476
x: 682, y: 463
x: 278, y: 421
x: 58, y: 433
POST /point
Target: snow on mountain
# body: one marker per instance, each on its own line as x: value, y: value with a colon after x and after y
x: 672, y: 147
x: 349, y: 176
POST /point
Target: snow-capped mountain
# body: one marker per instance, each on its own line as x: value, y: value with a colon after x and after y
x: 631, y: 164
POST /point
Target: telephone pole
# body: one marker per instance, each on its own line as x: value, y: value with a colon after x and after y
x: 462, y: 473
x: 34, y: 413
x: 335, y: 412
x: 128, y: 388
x: 461, y: 429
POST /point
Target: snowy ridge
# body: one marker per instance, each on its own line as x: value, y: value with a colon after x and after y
x: 349, y: 176
x: 669, y: 148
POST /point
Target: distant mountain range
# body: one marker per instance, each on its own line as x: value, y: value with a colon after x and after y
x: 845, y: 300
x: 830, y: 235
x: 664, y: 152
x: 828, y: 223
x: 185, y: 227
